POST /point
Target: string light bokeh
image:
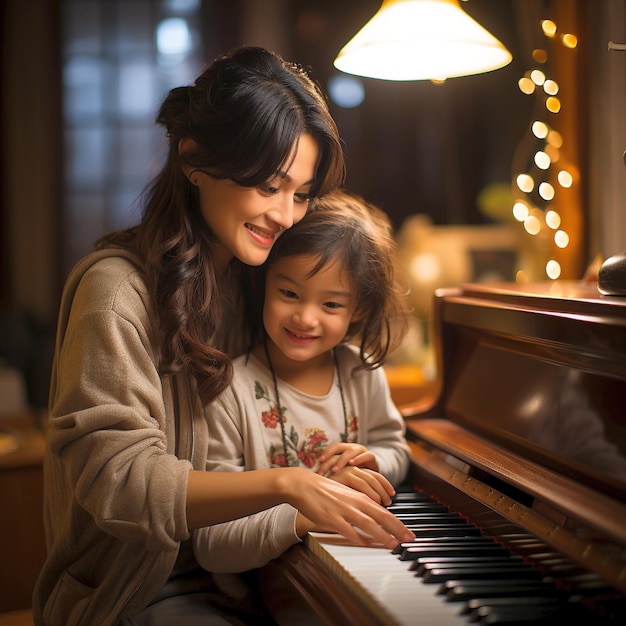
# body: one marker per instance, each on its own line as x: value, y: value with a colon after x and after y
x: 545, y: 175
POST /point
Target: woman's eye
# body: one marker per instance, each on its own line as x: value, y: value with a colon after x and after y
x: 269, y: 189
x: 303, y: 198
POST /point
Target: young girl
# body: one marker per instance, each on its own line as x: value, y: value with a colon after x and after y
x: 312, y: 393
x: 145, y: 328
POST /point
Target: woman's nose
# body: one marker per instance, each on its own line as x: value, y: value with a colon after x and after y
x: 282, y: 213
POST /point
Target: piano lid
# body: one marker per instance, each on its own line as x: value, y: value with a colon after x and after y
x: 538, y: 369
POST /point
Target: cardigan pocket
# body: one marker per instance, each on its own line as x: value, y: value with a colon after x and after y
x: 68, y: 602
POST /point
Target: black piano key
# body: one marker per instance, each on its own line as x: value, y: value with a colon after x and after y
x: 411, y: 554
x: 464, y: 590
x: 439, y: 575
x: 514, y: 558
x: 448, y: 518
x: 421, y: 564
x: 465, y: 563
x: 445, y: 530
x: 475, y: 606
x: 434, y: 541
x: 410, y: 496
x: 418, y: 507
x: 513, y: 615
x: 421, y: 508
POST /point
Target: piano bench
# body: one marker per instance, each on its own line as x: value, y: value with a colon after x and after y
x: 23, y: 617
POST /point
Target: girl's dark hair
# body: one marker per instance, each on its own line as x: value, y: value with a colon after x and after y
x: 347, y: 230
x: 244, y: 114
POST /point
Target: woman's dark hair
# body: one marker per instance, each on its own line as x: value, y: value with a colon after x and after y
x: 347, y: 230
x: 244, y: 114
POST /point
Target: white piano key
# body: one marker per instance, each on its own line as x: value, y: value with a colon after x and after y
x: 402, y: 594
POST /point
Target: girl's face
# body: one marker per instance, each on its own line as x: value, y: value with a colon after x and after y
x: 305, y: 316
x: 246, y: 220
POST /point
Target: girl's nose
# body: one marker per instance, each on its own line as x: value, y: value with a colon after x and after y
x: 305, y: 317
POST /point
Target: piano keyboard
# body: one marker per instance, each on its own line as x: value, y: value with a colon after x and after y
x: 455, y: 574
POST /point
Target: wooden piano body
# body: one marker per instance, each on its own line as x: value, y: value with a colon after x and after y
x: 526, y: 433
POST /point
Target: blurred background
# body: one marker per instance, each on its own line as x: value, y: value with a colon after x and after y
x: 516, y: 174
x: 82, y: 81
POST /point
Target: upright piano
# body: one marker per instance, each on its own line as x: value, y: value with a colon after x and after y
x: 517, y: 486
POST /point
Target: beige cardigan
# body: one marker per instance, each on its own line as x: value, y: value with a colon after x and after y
x: 115, y: 473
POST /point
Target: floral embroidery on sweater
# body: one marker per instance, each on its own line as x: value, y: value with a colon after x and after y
x: 303, y: 450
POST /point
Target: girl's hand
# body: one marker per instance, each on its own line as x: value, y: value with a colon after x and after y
x: 367, y: 481
x: 338, y: 455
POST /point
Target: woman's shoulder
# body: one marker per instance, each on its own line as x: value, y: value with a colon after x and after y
x: 108, y: 279
x: 107, y: 263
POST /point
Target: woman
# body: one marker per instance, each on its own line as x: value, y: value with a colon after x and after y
x: 147, y: 326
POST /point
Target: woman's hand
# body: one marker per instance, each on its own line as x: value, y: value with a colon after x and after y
x: 328, y: 506
x: 336, y: 456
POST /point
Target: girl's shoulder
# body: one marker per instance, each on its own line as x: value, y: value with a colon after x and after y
x: 348, y: 356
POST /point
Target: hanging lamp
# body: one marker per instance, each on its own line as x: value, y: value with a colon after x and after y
x: 421, y: 40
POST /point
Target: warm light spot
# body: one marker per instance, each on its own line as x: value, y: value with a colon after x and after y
x: 521, y: 277
x: 546, y: 191
x: 525, y: 183
x: 548, y: 27
x: 569, y: 40
x: 553, y: 219
x: 425, y: 268
x: 542, y: 160
x: 538, y: 77
x: 553, y: 269
x: 540, y: 129
x: 565, y: 179
x: 561, y: 238
x: 532, y: 225
x: 526, y: 85
x: 551, y: 87
x: 553, y: 104
x: 553, y: 153
x: 520, y: 211
x: 555, y: 138
x: 539, y: 55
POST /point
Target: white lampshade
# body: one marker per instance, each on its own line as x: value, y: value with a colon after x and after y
x: 421, y: 40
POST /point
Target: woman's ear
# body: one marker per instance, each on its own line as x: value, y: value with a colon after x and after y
x: 187, y: 145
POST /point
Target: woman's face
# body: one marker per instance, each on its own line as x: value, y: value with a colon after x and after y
x: 245, y: 220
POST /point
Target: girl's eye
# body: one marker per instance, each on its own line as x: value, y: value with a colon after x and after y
x: 333, y: 305
x: 288, y: 293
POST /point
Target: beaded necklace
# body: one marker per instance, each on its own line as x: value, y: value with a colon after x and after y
x: 344, y: 436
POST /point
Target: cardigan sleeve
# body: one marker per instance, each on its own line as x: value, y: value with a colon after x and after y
x: 108, y: 424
